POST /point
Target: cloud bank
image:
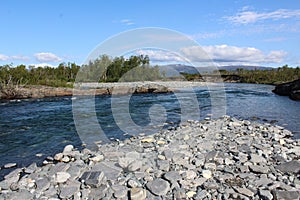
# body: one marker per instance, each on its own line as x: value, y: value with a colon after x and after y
x: 232, y: 54
x: 221, y: 54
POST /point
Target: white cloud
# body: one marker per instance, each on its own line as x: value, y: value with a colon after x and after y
x: 232, y: 54
x: 47, y: 57
x: 247, y: 17
x: 20, y: 57
x: 208, y: 35
x: 16, y: 57
x: 3, y: 57
x: 161, y: 56
x: 275, y: 39
x: 127, y: 22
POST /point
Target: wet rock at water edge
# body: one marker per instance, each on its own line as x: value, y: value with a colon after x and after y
x: 10, y: 165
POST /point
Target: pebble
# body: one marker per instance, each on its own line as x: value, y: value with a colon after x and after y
x: 190, y: 194
x: 257, y: 159
x: 65, y: 159
x: 10, y: 165
x: 245, y: 191
x: 135, y: 165
x: 206, y: 174
x: 158, y: 187
x: 97, y: 158
x: 265, y: 194
x: 160, y: 142
x: 290, y: 167
x: 172, y: 176
x: 68, y: 191
x: 228, y: 161
x: 138, y: 194
x: 190, y: 175
x: 62, y: 177
x: 161, y: 157
x: 290, y: 195
x: 58, y: 156
x: 147, y: 140
x: 222, y: 158
x: 133, y: 183
x: 69, y: 148
x: 92, y: 178
x: 120, y: 191
x: 259, y: 169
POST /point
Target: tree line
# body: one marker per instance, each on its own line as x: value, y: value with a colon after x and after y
x: 134, y: 68
x: 102, y: 69
x: 269, y: 76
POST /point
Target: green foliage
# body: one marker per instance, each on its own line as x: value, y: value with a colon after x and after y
x: 103, y: 69
x: 106, y: 69
x: 192, y: 77
x: 56, y: 77
x: 274, y: 76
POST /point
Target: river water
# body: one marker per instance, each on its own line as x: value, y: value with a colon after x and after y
x: 45, y: 126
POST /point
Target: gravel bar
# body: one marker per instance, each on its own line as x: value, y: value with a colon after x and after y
x: 222, y: 158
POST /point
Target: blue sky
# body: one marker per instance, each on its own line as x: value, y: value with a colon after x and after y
x: 257, y: 32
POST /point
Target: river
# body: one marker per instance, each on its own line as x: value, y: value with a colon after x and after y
x: 44, y: 126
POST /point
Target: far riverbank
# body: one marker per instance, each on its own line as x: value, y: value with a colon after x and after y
x: 39, y: 91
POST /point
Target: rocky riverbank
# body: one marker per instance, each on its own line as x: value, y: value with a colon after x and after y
x: 26, y: 92
x: 224, y: 158
x: 291, y: 89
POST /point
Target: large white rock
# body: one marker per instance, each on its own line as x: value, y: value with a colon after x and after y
x: 61, y: 177
x: 68, y: 148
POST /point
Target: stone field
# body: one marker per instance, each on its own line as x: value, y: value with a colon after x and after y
x: 222, y: 158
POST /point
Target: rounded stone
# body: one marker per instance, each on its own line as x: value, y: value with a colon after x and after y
x: 206, y: 174
x: 65, y: 159
x: 62, y: 177
x: 58, y: 156
x: 190, y: 194
x: 68, y: 148
x: 97, y: 158
x: 133, y: 183
x: 158, y: 187
x: 10, y: 165
x: 138, y: 194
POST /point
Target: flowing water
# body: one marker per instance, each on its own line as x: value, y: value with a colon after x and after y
x: 45, y: 126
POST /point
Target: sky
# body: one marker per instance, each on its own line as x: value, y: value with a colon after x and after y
x: 231, y: 32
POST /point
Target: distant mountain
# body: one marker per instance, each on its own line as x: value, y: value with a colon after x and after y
x: 176, y: 69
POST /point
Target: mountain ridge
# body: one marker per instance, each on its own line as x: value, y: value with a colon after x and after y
x: 179, y: 68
